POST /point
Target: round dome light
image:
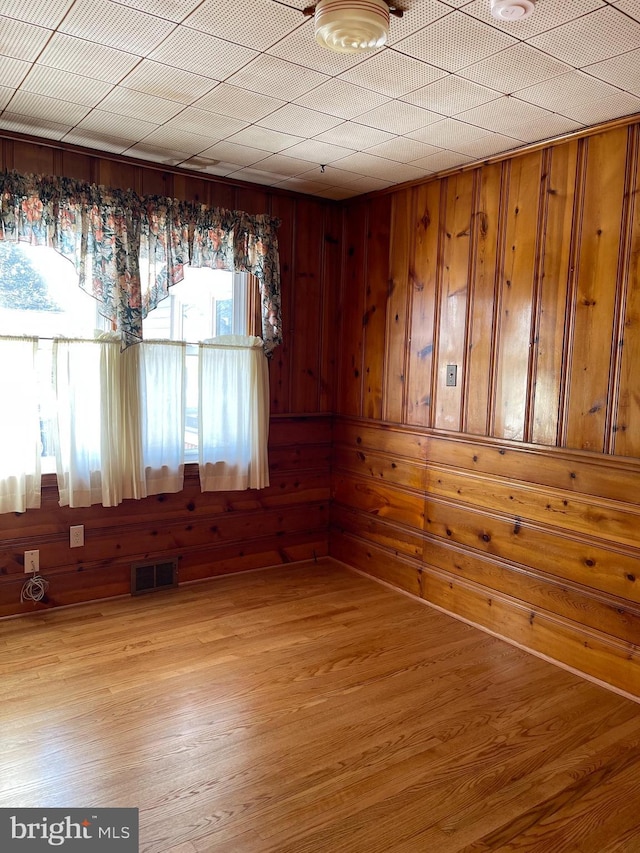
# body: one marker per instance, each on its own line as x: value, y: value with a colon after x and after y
x: 512, y: 10
x: 350, y: 26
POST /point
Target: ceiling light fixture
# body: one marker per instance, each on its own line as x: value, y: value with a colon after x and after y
x: 351, y: 26
x: 512, y: 10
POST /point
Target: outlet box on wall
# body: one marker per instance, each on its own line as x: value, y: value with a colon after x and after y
x: 76, y: 536
x: 32, y: 561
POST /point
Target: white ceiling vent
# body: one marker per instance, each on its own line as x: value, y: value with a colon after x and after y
x: 512, y: 10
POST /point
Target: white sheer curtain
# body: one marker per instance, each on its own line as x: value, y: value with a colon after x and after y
x: 120, y: 426
x: 234, y: 414
x: 20, y: 425
x: 161, y: 371
x: 91, y: 447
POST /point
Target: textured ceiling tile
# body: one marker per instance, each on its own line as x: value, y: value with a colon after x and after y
x: 124, y: 127
x: 270, y: 75
x: 206, y: 123
x: 604, y: 33
x: 398, y: 117
x: 128, y: 102
x: 45, y: 13
x: 629, y: 7
x: 267, y: 23
x: 392, y: 73
x: 339, y: 98
x: 172, y: 10
x: 317, y: 107
x: 539, y: 129
x: 114, y: 25
x: 402, y: 149
x: 300, y: 185
x: 13, y: 71
x: 21, y: 41
x: 47, y: 109
x: 418, y: 16
x: 238, y: 103
x: 364, y: 184
x: 178, y: 140
x: 66, y: 86
x: 210, y: 167
x: 547, y: 15
x: 95, y: 139
x: 445, y: 160
x: 233, y: 152
x: 515, y: 68
x: 304, y: 122
x: 185, y: 48
x: 332, y: 176
x: 265, y: 139
x: 86, y: 58
x: 317, y: 152
x: 6, y: 93
x: 621, y: 71
x: 255, y: 176
x: 32, y: 125
x: 487, y: 146
x: 157, y: 154
x: 448, y: 133
x: 379, y: 167
x: 603, y: 109
x: 301, y: 47
x: 569, y: 90
x: 283, y: 165
x: 365, y: 164
x: 455, y: 41
x: 173, y: 84
x: 335, y: 193
x: 517, y: 119
x: 451, y: 95
x: 355, y: 136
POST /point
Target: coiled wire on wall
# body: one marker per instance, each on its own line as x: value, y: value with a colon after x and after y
x: 34, y: 589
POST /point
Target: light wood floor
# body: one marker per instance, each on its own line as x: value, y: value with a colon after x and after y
x: 311, y: 710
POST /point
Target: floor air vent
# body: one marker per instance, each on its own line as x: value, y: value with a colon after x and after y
x: 148, y: 577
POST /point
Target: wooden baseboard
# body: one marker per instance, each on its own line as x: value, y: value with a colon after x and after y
x: 591, y: 654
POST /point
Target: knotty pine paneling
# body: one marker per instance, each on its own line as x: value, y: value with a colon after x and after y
x: 536, y: 544
x: 515, y: 294
x: 351, y: 310
x: 524, y: 274
x: 626, y: 429
x: 424, y: 281
x: 395, y: 358
x: 482, y: 299
x: 210, y: 533
x: 454, y: 296
x: 377, y: 294
x: 306, y: 306
x: 557, y: 250
x: 214, y: 532
x: 597, y: 285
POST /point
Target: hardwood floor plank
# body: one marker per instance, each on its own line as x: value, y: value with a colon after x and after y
x: 308, y: 709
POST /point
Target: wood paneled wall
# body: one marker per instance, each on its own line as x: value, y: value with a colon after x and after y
x: 212, y: 532
x: 511, y: 498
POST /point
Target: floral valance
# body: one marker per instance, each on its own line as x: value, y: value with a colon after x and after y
x: 128, y: 249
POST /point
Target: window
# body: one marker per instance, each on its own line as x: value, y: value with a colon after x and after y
x: 144, y: 412
x: 205, y: 305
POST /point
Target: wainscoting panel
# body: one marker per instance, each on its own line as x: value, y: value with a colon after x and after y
x: 537, y: 545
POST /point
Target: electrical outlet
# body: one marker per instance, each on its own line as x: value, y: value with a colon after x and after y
x: 76, y: 536
x: 32, y: 561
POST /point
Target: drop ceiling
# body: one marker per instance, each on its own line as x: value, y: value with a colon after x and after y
x: 239, y: 88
